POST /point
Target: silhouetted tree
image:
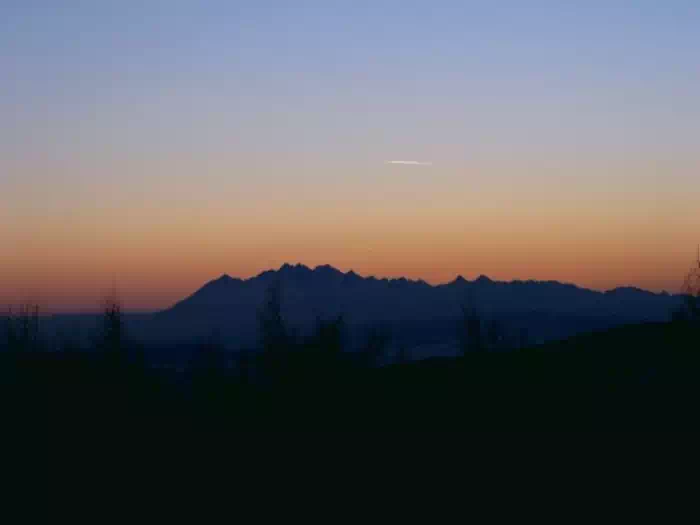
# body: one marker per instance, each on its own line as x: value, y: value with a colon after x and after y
x: 124, y: 359
x: 523, y: 338
x: 470, y: 334
x: 243, y: 367
x: 22, y: 331
x: 113, y: 333
x: 272, y: 330
x: 495, y: 336
x: 275, y: 339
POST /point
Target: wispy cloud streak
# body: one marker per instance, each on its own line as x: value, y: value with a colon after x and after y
x: 409, y: 162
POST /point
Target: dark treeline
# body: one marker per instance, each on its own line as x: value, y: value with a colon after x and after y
x: 635, y: 377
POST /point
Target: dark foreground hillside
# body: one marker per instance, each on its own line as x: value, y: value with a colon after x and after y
x: 639, y: 377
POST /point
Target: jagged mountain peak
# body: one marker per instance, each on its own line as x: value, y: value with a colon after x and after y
x: 286, y: 267
x: 328, y: 269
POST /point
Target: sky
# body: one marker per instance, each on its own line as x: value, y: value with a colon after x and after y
x: 160, y: 144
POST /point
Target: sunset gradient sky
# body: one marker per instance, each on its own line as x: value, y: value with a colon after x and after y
x: 164, y: 143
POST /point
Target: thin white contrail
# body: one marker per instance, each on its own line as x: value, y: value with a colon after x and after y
x: 410, y: 162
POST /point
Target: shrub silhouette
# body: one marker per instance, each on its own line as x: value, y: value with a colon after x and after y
x: 402, y: 355
x: 376, y: 345
x: 329, y: 335
x: 495, y: 335
x: 209, y: 377
x: 208, y: 361
x: 244, y: 367
x: 324, y: 349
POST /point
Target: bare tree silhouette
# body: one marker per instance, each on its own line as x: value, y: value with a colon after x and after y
x: 690, y: 309
x: 113, y: 329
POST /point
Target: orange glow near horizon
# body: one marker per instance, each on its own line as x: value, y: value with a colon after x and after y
x: 155, y: 266
x: 160, y: 251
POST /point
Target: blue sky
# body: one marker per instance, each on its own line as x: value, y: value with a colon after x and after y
x: 158, y: 112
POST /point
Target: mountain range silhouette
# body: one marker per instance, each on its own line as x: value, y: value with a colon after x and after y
x: 327, y: 290
x: 229, y: 304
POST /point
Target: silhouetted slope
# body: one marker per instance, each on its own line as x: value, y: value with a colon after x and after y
x: 641, y: 377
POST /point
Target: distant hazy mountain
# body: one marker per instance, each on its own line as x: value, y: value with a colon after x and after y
x: 229, y: 305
